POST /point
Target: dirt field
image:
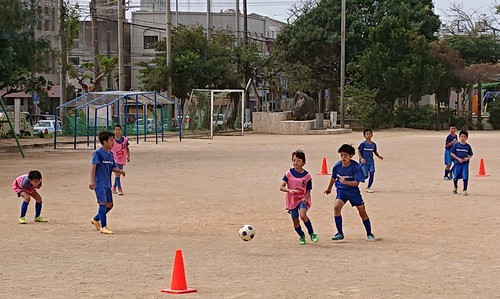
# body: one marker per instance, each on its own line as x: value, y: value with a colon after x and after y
x: 194, y: 196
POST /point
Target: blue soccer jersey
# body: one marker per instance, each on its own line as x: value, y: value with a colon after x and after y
x: 105, y: 163
x: 367, y: 150
x: 299, y: 175
x: 462, y: 151
x: 352, y: 172
x: 449, y: 139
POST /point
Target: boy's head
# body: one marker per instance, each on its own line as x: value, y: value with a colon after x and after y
x: 35, y: 177
x: 368, y: 133
x: 106, y: 139
x: 346, y: 152
x: 453, y: 128
x: 118, y: 131
x: 463, y: 136
x: 298, y: 159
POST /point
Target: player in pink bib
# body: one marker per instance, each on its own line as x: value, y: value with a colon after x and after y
x: 121, y: 153
x: 297, y: 183
x: 25, y: 186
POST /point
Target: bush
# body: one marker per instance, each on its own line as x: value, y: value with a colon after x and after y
x: 421, y: 117
x: 368, y: 112
x: 494, y: 109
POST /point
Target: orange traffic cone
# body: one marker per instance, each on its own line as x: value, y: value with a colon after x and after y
x: 482, y: 170
x: 324, y: 168
x: 178, y: 284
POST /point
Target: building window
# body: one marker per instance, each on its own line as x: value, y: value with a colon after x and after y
x: 74, y: 60
x: 149, y: 41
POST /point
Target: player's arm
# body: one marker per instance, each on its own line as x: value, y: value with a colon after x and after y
x: 361, y: 157
x: 378, y: 155
x: 128, y: 153
x: 285, y: 189
x: 92, y: 177
x: 330, y: 185
x: 119, y: 171
x: 349, y: 183
x: 460, y: 160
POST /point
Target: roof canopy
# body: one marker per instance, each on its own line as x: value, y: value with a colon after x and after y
x: 105, y: 98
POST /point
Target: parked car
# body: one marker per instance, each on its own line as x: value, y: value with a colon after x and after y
x: 43, y: 127
x: 150, y: 125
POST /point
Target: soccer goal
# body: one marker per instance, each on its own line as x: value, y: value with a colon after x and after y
x: 214, y: 111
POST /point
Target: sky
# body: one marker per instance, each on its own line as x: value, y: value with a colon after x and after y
x: 279, y: 9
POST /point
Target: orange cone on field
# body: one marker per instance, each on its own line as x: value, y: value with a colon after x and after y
x: 482, y: 170
x: 324, y: 168
x: 178, y: 284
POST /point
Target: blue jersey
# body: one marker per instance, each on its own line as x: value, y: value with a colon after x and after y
x: 353, y: 172
x: 367, y: 150
x: 449, y: 139
x: 462, y: 151
x: 105, y: 163
x: 299, y: 175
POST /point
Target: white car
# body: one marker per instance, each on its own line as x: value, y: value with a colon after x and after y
x: 150, y: 125
x: 43, y: 127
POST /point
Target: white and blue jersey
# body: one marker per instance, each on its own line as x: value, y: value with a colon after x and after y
x: 351, y: 173
x: 367, y: 150
x: 461, y: 170
x: 105, y: 163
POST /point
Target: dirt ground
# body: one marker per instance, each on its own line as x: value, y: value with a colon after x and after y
x: 194, y: 196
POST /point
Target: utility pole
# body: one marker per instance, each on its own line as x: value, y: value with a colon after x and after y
x: 64, y: 53
x: 176, y: 13
x: 121, y: 47
x: 95, y: 36
x: 245, y: 23
x: 209, y: 19
x: 238, y: 30
x: 169, y: 49
x: 342, y: 65
x: 245, y: 43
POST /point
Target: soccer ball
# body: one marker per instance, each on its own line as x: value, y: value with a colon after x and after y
x: 247, y: 232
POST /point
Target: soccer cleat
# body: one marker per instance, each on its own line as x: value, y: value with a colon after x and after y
x: 105, y: 230
x: 454, y: 191
x: 114, y: 190
x: 97, y: 224
x: 338, y: 237
x: 120, y: 191
x: 447, y: 178
x: 40, y: 219
x: 368, y: 190
x: 465, y: 193
x: 314, y: 238
x: 22, y: 220
x: 371, y: 237
x: 302, y: 240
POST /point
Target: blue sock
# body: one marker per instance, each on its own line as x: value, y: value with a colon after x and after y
x: 455, y: 183
x: 38, y: 209
x: 102, y: 215
x: 97, y: 218
x: 466, y: 183
x: 309, y: 227
x: 338, y: 224
x: 368, y: 226
x: 118, y: 184
x: 299, y: 231
x: 107, y: 210
x: 24, y: 208
x: 370, y: 180
x: 446, y: 173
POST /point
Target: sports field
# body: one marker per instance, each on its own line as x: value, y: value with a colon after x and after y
x: 195, y: 195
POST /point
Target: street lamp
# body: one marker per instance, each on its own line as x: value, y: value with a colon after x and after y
x: 84, y: 38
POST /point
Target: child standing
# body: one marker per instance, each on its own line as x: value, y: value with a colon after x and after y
x: 25, y: 186
x: 347, y: 174
x: 451, y: 139
x: 103, y: 164
x: 461, y: 152
x: 365, y: 152
x: 121, y: 153
x: 297, y: 183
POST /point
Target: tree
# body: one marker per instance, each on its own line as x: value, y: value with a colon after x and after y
x: 87, y: 75
x: 21, y: 53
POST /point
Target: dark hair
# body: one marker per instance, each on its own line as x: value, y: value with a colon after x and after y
x: 463, y: 132
x: 103, y: 136
x: 367, y: 130
x: 300, y: 155
x: 453, y: 125
x: 35, y: 175
x: 347, y: 148
x: 118, y: 126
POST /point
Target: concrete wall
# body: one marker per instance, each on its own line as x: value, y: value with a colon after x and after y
x: 279, y: 123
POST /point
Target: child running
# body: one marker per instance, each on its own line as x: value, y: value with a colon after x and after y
x: 297, y: 183
x: 461, y: 152
x: 347, y: 174
x: 25, y: 186
x: 121, y: 153
x: 103, y: 164
x: 365, y: 152
x: 451, y: 139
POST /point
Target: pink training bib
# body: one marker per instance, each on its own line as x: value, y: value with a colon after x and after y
x: 293, y: 200
x: 119, y: 151
x: 17, y: 185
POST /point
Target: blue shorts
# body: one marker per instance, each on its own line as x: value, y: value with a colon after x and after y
x: 448, y: 159
x: 352, y: 195
x: 295, y: 212
x: 367, y: 168
x: 461, y: 171
x: 104, y: 195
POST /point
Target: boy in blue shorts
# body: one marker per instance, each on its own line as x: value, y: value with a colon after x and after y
x: 366, y: 150
x: 451, y: 139
x: 461, y: 153
x: 103, y: 164
x: 347, y: 174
